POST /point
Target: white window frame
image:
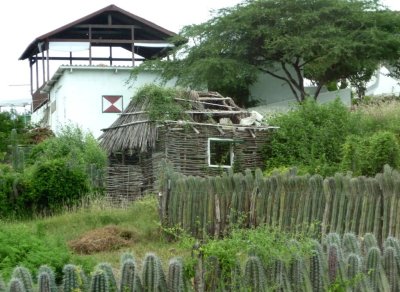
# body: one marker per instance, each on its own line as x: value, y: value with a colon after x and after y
x: 209, y: 152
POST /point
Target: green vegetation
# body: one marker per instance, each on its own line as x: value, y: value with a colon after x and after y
x: 325, y: 40
x: 160, y: 102
x: 57, y: 173
x: 328, y: 138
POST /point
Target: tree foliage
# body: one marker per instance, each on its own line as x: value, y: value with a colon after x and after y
x: 324, y: 40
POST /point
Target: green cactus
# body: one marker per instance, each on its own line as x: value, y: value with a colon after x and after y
x: 354, y: 271
x: 296, y: 273
x: 128, y: 272
x: 50, y: 273
x: 175, y: 276
x: 254, y: 276
x: 390, y: 266
x: 99, y: 282
x: 16, y: 285
x: 316, y: 272
x: 333, y: 263
x: 24, y: 275
x: 112, y: 283
x: 212, y: 277
x: 374, y: 267
x: 151, y: 272
x: 350, y: 244
x: 74, y: 279
x: 369, y: 241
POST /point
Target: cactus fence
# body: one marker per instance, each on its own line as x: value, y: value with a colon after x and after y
x: 336, y: 264
x: 292, y: 203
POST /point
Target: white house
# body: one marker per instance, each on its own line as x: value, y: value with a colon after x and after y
x: 80, y: 71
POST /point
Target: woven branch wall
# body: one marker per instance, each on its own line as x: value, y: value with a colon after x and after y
x: 187, y: 151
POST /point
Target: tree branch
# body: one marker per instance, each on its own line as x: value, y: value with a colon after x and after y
x: 284, y: 79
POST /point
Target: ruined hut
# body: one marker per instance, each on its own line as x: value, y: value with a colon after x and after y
x: 199, y: 133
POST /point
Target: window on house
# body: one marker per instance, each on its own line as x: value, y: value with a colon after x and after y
x: 112, y: 104
x: 220, y: 152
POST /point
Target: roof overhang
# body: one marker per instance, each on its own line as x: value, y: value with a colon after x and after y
x: 110, y: 26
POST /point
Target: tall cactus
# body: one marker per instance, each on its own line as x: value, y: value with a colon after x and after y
x: 369, y: 241
x: 16, y: 285
x: 333, y: 262
x: 350, y: 244
x: 73, y: 279
x: 46, y: 270
x: 254, y: 276
x: 374, y: 268
x: 316, y: 272
x: 112, y: 283
x: 151, y: 272
x: 175, y: 276
x: 99, y: 281
x: 390, y: 266
x: 44, y: 283
x: 354, y: 272
x: 24, y: 275
x: 128, y: 273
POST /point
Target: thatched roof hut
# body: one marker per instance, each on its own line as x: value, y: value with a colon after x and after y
x: 210, y: 133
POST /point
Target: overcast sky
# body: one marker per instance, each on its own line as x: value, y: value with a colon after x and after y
x: 23, y: 20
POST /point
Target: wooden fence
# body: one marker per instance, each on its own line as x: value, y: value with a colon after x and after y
x: 293, y: 203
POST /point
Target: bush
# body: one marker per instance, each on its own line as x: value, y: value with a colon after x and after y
x: 32, y: 251
x: 57, y: 183
x: 310, y: 138
x: 368, y: 155
x: 12, y: 188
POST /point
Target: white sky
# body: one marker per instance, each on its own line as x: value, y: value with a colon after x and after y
x: 24, y: 20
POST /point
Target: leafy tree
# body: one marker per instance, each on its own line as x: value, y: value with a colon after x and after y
x: 324, y: 40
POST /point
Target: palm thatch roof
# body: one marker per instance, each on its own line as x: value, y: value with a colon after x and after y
x: 135, y: 130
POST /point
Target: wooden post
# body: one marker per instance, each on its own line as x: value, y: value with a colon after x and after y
x: 133, y: 45
x: 31, y: 74
x: 37, y: 73
x: 48, y: 60
x: 90, y: 44
x: 43, y: 68
x: 70, y: 58
x: 110, y: 55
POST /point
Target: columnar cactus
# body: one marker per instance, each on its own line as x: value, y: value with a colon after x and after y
x: 369, y: 241
x: 316, y: 272
x: 106, y: 267
x: 99, y: 282
x: 333, y: 262
x: 350, y: 244
x: 16, y: 285
x: 354, y: 270
x: 73, y: 279
x: 374, y: 267
x: 390, y: 266
x: 175, y: 276
x: 47, y: 272
x: 296, y: 273
x: 254, y: 276
x: 24, y: 275
x: 128, y: 272
x: 151, y: 272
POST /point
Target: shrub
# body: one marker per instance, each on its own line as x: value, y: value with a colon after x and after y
x: 57, y: 183
x: 310, y: 137
x: 368, y: 155
x: 31, y: 251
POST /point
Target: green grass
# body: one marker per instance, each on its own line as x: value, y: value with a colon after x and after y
x: 47, y: 238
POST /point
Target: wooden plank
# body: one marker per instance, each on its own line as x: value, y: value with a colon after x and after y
x: 202, y: 102
x: 216, y: 112
x: 112, y: 26
x: 112, y: 41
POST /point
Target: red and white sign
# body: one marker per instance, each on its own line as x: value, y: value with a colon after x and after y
x: 112, y: 104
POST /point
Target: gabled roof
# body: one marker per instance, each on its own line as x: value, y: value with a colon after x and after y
x: 77, y: 30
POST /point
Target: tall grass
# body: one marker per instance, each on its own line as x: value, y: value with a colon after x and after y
x: 31, y: 242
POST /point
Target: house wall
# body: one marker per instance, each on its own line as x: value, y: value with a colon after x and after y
x: 77, y: 97
x: 276, y: 95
